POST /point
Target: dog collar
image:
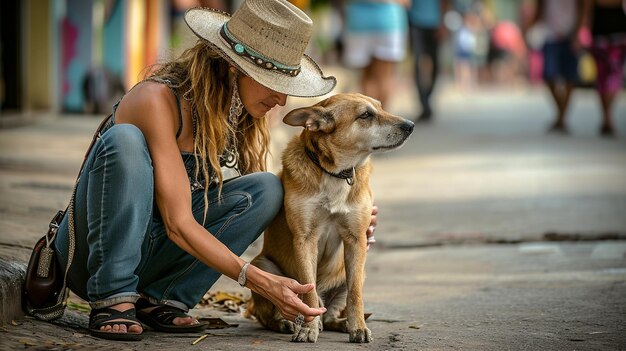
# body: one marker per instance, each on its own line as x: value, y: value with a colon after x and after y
x: 347, y: 174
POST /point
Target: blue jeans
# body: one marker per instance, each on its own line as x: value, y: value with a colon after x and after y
x: 122, y: 249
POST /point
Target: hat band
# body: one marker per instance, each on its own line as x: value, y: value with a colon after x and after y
x: 258, y: 59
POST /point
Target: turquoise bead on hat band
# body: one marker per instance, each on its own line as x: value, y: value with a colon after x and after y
x: 255, y: 57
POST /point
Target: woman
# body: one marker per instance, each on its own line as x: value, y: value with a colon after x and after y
x: 158, y: 218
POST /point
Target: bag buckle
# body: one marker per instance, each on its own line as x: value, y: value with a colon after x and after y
x: 56, y: 220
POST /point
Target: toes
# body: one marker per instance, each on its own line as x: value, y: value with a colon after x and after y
x: 135, y: 329
x: 122, y: 328
x: 361, y: 335
x: 307, y: 333
x: 185, y: 321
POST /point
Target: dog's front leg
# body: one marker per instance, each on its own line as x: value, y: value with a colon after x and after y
x: 355, y: 251
x: 305, y: 245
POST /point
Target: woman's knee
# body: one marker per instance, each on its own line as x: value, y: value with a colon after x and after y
x: 269, y: 192
x: 124, y: 136
x: 125, y: 144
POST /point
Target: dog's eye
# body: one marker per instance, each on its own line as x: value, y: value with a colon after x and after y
x: 366, y: 115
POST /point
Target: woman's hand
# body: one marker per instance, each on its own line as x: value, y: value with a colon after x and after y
x: 370, y: 230
x: 283, y: 293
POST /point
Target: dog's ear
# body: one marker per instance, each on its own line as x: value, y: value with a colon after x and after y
x: 311, y: 118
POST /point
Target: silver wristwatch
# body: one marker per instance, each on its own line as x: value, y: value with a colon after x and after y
x: 242, y: 275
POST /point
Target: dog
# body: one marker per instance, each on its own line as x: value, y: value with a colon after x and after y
x: 319, y: 234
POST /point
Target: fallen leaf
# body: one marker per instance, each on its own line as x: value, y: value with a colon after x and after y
x: 221, y: 296
x: 216, y: 323
x: 230, y: 302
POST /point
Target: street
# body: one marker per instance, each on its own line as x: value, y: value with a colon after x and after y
x: 492, y: 234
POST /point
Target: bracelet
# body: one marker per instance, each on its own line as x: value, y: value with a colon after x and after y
x: 242, y: 275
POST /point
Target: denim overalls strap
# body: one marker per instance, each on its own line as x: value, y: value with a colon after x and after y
x: 168, y: 83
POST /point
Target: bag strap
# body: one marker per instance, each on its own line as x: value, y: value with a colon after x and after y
x: 56, y: 311
x: 70, y: 211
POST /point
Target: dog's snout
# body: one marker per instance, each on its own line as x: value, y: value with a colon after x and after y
x: 407, y: 126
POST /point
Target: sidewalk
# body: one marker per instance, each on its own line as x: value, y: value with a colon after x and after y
x: 483, y: 172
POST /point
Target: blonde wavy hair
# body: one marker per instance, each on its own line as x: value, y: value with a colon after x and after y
x: 204, y: 78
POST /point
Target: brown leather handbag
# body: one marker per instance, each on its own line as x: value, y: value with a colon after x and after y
x: 45, y: 284
x: 45, y: 292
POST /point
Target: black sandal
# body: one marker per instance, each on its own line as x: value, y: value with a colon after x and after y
x: 109, y: 316
x: 162, y: 316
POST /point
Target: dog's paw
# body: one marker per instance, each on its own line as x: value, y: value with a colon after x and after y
x: 286, y: 327
x: 320, y: 324
x: 361, y: 335
x: 308, y: 332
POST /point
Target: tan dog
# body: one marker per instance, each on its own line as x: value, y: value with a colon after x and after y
x: 319, y: 235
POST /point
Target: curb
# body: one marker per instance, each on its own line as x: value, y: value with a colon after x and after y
x: 11, y: 280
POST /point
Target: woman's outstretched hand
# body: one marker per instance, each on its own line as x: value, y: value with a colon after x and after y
x: 372, y: 227
x: 283, y: 293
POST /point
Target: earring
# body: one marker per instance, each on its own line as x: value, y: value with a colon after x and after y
x: 236, y: 105
x: 236, y: 108
x: 187, y: 95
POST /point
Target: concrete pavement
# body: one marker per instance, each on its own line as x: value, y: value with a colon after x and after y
x: 483, y: 172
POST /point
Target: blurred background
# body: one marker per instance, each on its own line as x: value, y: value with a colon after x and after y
x: 79, y: 56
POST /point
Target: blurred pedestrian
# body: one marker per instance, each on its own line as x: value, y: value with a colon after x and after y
x: 375, y: 38
x: 173, y: 189
x: 558, y: 20
x: 426, y: 31
x: 507, y: 52
x: 466, y: 45
x: 607, y: 19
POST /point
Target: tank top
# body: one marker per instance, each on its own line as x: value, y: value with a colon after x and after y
x: 228, y: 163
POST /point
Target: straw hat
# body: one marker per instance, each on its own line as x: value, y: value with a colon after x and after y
x: 265, y: 39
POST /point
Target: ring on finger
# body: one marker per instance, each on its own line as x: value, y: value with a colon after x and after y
x: 299, y: 319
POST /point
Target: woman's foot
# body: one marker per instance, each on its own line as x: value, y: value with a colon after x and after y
x: 167, y: 318
x: 607, y: 130
x: 188, y: 320
x: 558, y: 127
x: 117, y: 322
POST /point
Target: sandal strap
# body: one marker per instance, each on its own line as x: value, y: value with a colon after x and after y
x: 108, y: 316
x: 166, y: 314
